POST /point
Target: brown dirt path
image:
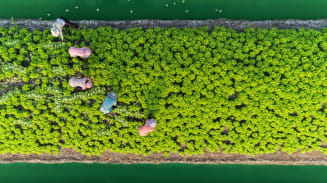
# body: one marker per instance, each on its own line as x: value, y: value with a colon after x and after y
x: 69, y: 155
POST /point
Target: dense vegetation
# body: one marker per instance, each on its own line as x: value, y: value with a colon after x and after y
x: 252, y: 92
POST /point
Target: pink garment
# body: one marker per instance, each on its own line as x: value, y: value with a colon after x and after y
x: 84, y: 83
x: 144, y: 130
x: 83, y: 52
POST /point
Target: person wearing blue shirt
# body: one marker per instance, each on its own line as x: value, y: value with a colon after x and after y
x: 109, y: 102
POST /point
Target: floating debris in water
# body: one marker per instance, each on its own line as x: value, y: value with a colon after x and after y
x: 76, y: 7
x: 174, y: 3
x: 166, y: 5
x: 98, y: 9
x: 40, y: 18
x: 131, y: 11
x: 220, y: 11
x: 128, y: 0
x: 183, y: 1
x: 67, y: 10
x: 49, y: 14
x: 187, y: 11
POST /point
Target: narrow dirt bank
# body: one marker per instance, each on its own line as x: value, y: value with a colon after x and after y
x: 69, y: 155
x: 211, y: 23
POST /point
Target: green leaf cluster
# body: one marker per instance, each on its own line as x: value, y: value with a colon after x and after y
x: 251, y: 92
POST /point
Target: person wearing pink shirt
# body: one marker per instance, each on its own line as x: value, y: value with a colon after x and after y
x: 83, y: 83
x: 147, y: 127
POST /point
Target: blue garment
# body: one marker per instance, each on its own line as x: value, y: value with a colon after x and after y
x: 111, y: 100
x: 151, y: 123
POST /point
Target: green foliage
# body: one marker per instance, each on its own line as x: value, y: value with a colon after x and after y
x: 252, y: 92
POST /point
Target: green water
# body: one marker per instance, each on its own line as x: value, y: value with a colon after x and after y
x: 165, y: 173
x: 164, y: 9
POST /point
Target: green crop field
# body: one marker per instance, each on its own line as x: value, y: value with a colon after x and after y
x: 252, y: 92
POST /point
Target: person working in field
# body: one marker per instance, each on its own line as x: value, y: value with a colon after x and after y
x: 57, y: 27
x: 149, y: 126
x: 109, y: 102
x: 83, y: 83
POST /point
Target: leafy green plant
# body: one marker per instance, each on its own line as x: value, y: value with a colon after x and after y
x: 251, y: 92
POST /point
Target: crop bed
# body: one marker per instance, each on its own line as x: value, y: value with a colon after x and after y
x: 251, y: 92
